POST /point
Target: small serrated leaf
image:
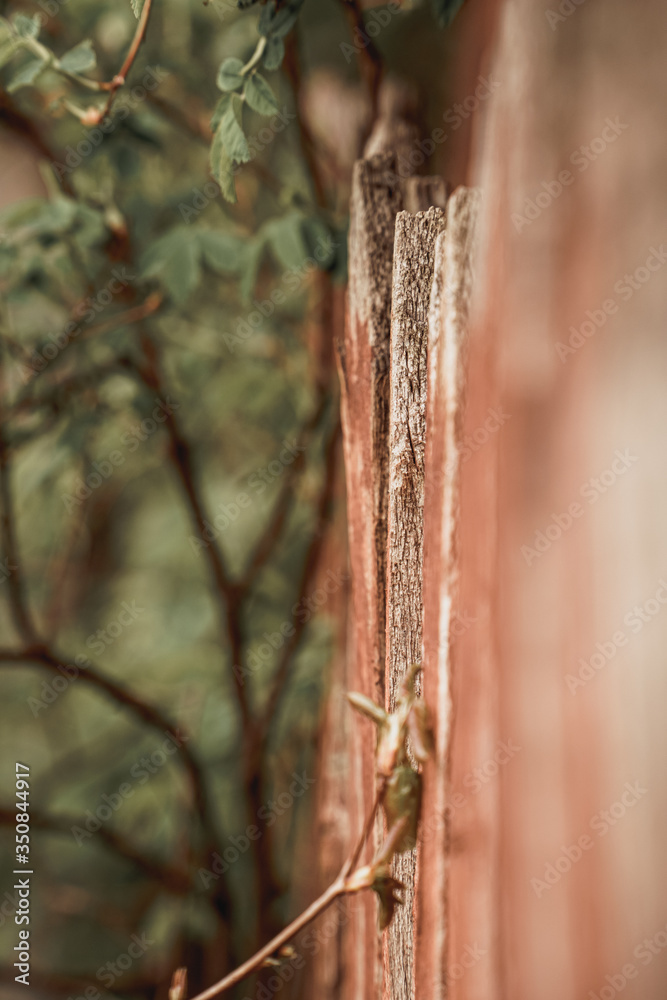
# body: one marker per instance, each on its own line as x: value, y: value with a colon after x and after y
x: 231, y: 132
x: 137, y: 7
x: 26, y: 75
x: 259, y: 96
x: 446, y: 10
x: 229, y: 75
x: 274, y: 53
x: 26, y: 27
x: 222, y: 168
x: 79, y: 59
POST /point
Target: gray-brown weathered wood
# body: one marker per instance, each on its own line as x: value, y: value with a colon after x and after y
x: 364, y: 374
x: 448, y: 322
x: 414, y: 251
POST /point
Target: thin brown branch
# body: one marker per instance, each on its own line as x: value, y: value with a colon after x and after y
x: 90, y: 675
x: 133, y: 315
x: 58, y: 395
x: 335, y: 890
x: 271, y: 534
x: 182, y: 460
x: 175, y: 880
x: 292, y: 65
x: 230, y: 603
x: 113, y: 86
x: 370, y: 61
x: 324, y: 508
x: 366, y: 832
x: 339, y: 887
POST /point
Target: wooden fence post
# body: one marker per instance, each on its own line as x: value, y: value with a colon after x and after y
x: 364, y: 375
x: 414, y: 250
x: 384, y: 377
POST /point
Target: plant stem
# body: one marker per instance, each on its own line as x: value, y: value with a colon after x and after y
x: 255, y: 57
x: 335, y: 890
x: 119, y: 79
x: 365, y: 833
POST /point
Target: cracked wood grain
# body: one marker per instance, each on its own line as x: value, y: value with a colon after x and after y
x: 414, y: 251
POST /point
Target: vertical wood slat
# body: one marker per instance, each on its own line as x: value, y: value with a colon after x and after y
x: 391, y: 268
x: 364, y: 374
x: 474, y: 899
x: 448, y: 320
x: 414, y: 250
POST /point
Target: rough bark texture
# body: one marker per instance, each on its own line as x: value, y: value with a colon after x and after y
x: 364, y: 371
x: 448, y: 319
x: 414, y: 251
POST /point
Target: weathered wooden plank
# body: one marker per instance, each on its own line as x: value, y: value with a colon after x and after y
x: 414, y: 251
x: 448, y: 320
x: 364, y: 375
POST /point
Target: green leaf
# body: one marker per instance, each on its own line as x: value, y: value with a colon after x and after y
x: 266, y: 16
x: 27, y: 27
x: 174, y: 260
x: 388, y: 890
x: 79, y: 59
x: 402, y: 799
x: 367, y: 707
x: 259, y: 95
x: 231, y: 133
x: 221, y: 251
x: 285, y: 237
x: 229, y: 74
x: 274, y: 53
x: 137, y: 7
x: 279, y: 23
x: 219, y: 111
x: 26, y: 75
x: 222, y: 167
x: 446, y: 10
